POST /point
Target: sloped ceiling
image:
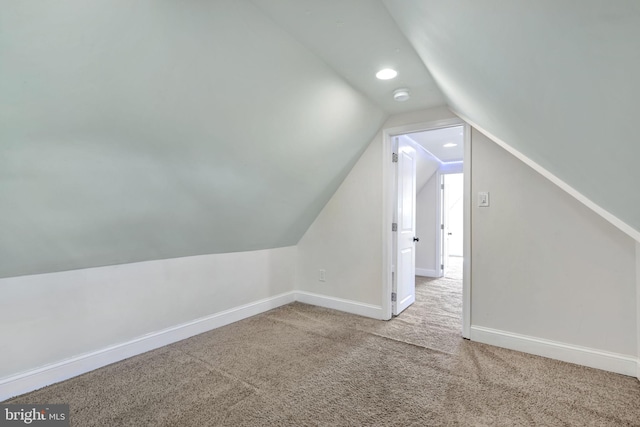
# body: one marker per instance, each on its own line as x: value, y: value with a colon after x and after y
x: 357, y: 38
x: 556, y: 80
x: 139, y: 130
x: 133, y: 131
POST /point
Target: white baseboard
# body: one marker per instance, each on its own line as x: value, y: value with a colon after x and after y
x: 50, y: 374
x: 69, y: 368
x: 599, y: 359
x: 426, y: 272
x: 354, y: 307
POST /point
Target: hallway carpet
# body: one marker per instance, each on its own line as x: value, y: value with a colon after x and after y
x: 300, y: 365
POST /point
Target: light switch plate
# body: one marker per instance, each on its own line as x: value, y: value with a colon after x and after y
x: 483, y: 199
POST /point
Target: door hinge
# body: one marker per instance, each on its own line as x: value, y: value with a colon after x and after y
x: 441, y: 226
x: 394, y: 157
x: 393, y: 297
x: 394, y: 226
x: 441, y: 266
x: 442, y: 186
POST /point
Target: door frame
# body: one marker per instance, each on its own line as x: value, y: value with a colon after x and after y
x: 440, y: 202
x: 388, y: 211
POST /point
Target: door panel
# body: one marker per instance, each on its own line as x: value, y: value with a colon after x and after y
x: 405, y: 286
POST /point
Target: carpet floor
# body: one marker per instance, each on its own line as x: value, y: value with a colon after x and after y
x: 301, y: 365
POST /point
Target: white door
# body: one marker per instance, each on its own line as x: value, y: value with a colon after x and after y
x: 444, y: 250
x: 405, y: 283
x: 454, y: 188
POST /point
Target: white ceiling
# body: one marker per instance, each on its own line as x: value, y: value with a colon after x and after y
x: 132, y: 131
x: 556, y: 80
x: 434, y: 140
x: 357, y: 38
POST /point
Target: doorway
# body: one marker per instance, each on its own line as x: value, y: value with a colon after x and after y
x: 443, y: 136
x: 452, y: 212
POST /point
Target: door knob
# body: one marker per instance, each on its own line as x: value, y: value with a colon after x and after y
x: 449, y: 234
x: 416, y: 239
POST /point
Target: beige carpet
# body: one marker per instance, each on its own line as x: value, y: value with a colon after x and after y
x: 304, y: 366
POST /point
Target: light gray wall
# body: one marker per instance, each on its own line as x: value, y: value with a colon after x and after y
x: 544, y: 265
x: 134, y: 131
x: 346, y: 237
x: 343, y: 240
x: 556, y: 80
x: 426, y: 226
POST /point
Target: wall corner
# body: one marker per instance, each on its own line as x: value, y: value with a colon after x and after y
x: 638, y: 309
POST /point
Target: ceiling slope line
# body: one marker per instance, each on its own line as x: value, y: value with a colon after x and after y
x: 419, y: 147
x: 608, y: 216
x: 319, y: 57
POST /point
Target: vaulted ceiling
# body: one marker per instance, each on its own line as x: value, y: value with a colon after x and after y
x: 133, y: 131
x: 556, y: 80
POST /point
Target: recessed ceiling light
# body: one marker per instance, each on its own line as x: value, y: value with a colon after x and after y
x: 386, y: 74
x: 401, y: 95
x: 449, y: 145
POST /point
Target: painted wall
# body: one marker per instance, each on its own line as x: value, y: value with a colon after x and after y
x: 346, y: 237
x: 426, y: 229
x: 556, y: 80
x: 544, y: 265
x: 51, y: 317
x: 133, y: 131
x: 552, y: 270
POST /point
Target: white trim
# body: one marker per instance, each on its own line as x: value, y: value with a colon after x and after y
x: 420, y: 127
x: 617, y: 222
x: 439, y: 261
x: 426, y: 272
x: 466, y: 244
x: 63, y: 370
x: 387, y: 218
x: 348, y: 306
x: 388, y: 199
x: 409, y: 141
x: 599, y: 359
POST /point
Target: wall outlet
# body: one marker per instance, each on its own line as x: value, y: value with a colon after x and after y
x: 322, y: 275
